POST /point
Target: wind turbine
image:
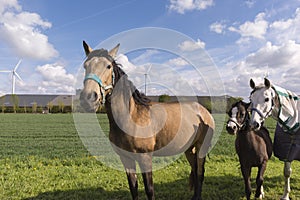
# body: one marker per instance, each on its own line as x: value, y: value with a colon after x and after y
x: 146, y: 74
x: 14, y: 74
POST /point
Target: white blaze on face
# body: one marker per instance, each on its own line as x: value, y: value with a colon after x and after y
x: 261, y: 106
x: 233, y: 116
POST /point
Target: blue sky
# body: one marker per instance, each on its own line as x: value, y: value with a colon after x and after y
x: 245, y: 39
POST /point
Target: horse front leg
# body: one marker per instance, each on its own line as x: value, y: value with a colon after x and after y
x: 246, y: 172
x: 145, y: 162
x: 259, y: 181
x: 130, y: 168
x: 287, y: 174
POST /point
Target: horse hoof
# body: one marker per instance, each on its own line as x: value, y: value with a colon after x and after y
x: 261, y: 196
x: 285, y: 198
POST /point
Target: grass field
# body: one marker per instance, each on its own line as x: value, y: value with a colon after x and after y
x: 42, y: 157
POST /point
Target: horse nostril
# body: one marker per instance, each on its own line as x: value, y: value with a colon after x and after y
x: 256, y: 125
x: 234, y: 127
x: 93, y: 96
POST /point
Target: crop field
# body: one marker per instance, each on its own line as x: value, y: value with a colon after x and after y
x: 42, y: 157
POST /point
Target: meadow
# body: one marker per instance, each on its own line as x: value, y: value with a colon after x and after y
x: 42, y: 157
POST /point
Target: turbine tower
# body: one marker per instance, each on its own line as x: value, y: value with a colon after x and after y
x: 14, y: 74
x: 146, y: 74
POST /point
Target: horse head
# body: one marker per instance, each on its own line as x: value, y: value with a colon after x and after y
x: 99, y: 76
x: 262, y: 103
x: 238, y: 116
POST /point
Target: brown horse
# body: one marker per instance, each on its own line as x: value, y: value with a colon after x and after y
x: 254, y: 148
x: 140, y: 129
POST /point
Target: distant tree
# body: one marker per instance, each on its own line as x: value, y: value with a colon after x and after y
x: 2, y: 102
x: 50, y: 106
x: 15, y: 101
x: 34, y: 107
x: 207, y: 104
x: 61, y: 106
x: 3, y: 107
x: 218, y: 105
x: 25, y: 108
x: 164, y: 98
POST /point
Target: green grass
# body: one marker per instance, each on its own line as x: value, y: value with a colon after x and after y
x: 42, y: 157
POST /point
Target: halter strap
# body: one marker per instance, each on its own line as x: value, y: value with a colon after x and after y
x: 103, y: 88
x: 95, y: 78
x: 236, y: 123
x: 244, y: 123
x: 261, y: 114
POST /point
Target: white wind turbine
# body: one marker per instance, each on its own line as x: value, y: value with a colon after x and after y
x: 146, y: 74
x: 14, y: 74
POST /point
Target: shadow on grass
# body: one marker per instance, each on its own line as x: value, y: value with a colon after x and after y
x: 214, y: 188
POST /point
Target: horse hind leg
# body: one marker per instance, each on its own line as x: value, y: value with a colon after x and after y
x: 200, y: 177
x: 191, y: 157
x: 197, y: 172
x: 287, y: 174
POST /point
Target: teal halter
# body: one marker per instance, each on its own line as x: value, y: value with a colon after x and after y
x: 103, y: 88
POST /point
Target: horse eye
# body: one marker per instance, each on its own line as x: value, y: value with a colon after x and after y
x: 266, y: 99
x: 108, y: 66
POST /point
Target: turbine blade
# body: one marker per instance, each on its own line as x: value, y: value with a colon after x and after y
x: 17, y: 75
x: 149, y: 69
x: 16, y: 67
x: 5, y: 71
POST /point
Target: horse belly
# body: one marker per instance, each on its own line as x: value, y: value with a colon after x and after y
x: 175, y: 145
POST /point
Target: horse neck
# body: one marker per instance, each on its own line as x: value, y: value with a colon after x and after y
x: 121, y: 104
x: 276, y: 102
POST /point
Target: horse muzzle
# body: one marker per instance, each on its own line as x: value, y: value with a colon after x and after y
x: 90, y: 101
x: 231, y: 129
x: 255, y: 125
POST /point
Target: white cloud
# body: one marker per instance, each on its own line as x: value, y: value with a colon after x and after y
x: 284, y: 30
x: 177, y: 62
x: 279, y: 62
x: 22, y: 31
x: 181, y: 6
x: 191, y: 46
x: 6, y: 4
x: 172, y: 77
x: 250, y: 3
x: 218, y: 27
x: 286, y: 55
x: 55, y: 79
x: 145, y: 57
x: 126, y: 64
x: 256, y: 29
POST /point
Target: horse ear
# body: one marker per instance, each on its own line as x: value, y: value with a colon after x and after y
x: 114, y: 51
x: 267, y: 83
x: 247, y: 105
x: 252, y: 84
x: 87, y: 48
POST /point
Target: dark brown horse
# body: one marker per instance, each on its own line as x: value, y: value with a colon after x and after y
x: 254, y: 148
x: 140, y: 129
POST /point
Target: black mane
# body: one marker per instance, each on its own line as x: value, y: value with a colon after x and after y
x: 139, y: 98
